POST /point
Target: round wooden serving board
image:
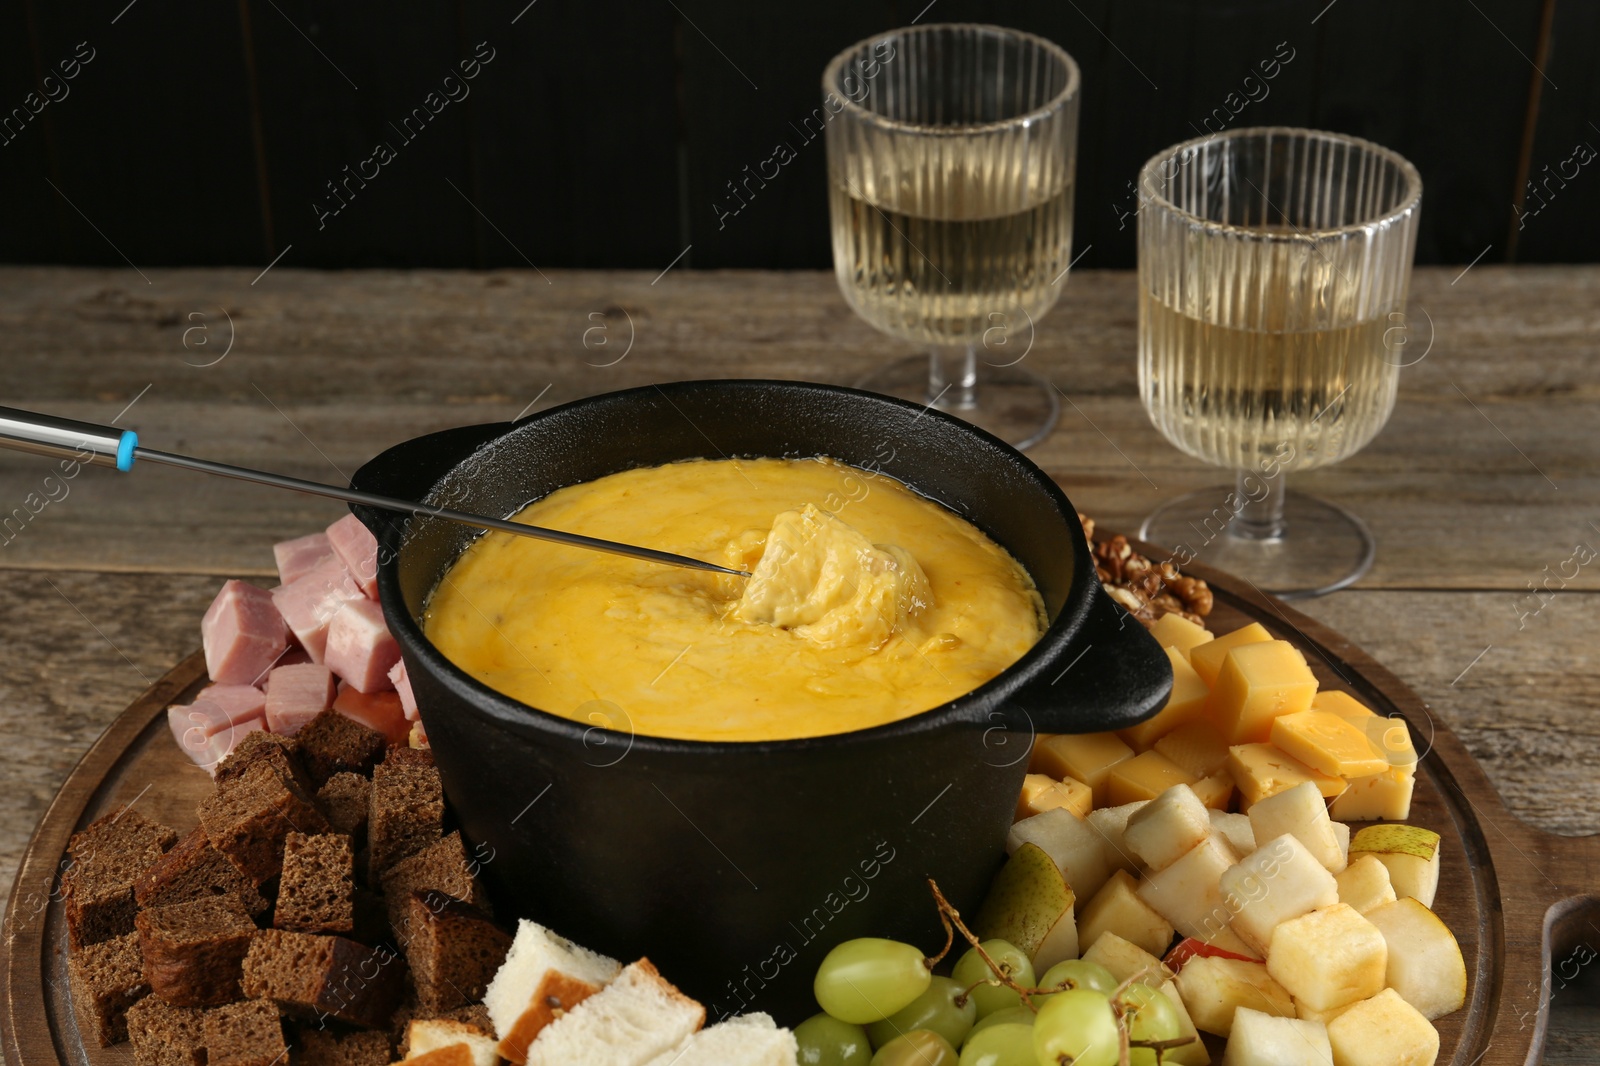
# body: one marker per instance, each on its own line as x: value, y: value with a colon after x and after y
x: 1515, y: 897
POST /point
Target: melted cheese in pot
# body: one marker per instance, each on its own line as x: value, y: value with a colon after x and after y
x: 867, y: 603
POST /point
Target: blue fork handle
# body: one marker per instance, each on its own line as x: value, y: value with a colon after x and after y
x: 67, y: 438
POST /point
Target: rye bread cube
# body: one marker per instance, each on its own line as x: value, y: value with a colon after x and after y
x: 333, y: 744
x: 323, y: 1047
x: 248, y: 818
x: 275, y: 750
x: 106, y: 858
x: 107, y: 978
x: 193, y: 870
x: 442, y: 867
x: 193, y: 952
x: 453, y: 949
x: 313, y: 976
x: 164, y: 1035
x: 247, y: 1033
x: 406, y: 811
x: 316, y: 893
x: 345, y: 799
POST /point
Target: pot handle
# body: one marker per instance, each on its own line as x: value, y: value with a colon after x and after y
x: 1120, y: 677
x: 412, y: 467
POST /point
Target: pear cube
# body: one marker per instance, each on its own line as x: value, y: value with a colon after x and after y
x: 1278, y: 881
x: 1068, y: 840
x: 1168, y: 827
x: 1188, y: 893
x: 1383, y: 1031
x: 1215, y: 988
x: 1364, y: 884
x: 1111, y: 823
x: 1425, y: 964
x: 1030, y: 905
x: 1328, y: 957
x: 1260, y: 1039
x: 1235, y: 829
x: 1193, y: 1053
x: 1117, y: 908
x: 1303, y: 813
x: 1411, y: 853
x: 1326, y: 1017
x: 1126, y: 960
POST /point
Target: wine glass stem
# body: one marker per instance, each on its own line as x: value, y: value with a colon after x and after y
x: 1259, y: 513
x: 953, y: 377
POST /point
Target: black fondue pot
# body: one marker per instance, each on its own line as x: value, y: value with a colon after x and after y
x: 736, y: 866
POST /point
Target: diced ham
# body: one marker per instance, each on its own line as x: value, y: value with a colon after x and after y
x: 220, y: 744
x: 309, y: 602
x: 402, y: 685
x: 376, y: 710
x: 238, y: 702
x: 359, y: 647
x: 242, y: 633
x: 189, y: 733
x: 301, y: 555
x: 296, y: 694
x: 357, y: 548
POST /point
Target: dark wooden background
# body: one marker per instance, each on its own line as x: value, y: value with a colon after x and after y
x: 603, y: 134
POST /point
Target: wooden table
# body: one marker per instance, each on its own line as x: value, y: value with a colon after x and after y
x: 1482, y: 486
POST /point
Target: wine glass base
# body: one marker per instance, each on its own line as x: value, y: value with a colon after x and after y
x: 1015, y: 404
x: 1324, y: 547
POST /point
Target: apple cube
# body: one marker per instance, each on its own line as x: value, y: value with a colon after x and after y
x: 1112, y: 825
x: 1367, y: 799
x: 1197, y: 747
x: 1117, y: 908
x: 1207, y: 658
x: 1188, y: 893
x: 1186, y: 703
x: 1327, y: 743
x: 1383, y: 1031
x: 1177, y: 632
x: 1364, y: 884
x: 1410, y: 852
x: 1425, y: 963
x: 1278, y: 881
x: 1215, y: 988
x: 1262, y: 770
x: 1235, y: 829
x: 1260, y: 1039
x: 1143, y: 777
x: 1086, y: 757
x: 1216, y: 791
x: 1328, y: 957
x: 1303, y: 813
x: 1258, y: 683
x: 1076, y: 849
x: 1030, y: 905
x: 1168, y: 827
x: 1041, y: 793
x: 1126, y: 960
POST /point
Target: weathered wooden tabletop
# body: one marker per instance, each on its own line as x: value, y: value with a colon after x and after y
x: 1484, y: 485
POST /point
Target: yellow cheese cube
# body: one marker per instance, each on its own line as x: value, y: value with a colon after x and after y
x: 1041, y: 793
x: 1261, y: 770
x: 1327, y: 743
x: 1177, y: 632
x: 1207, y: 658
x: 1367, y: 799
x: 1195, y: 746
x: 1187, y: 702
x: 1143, y: 777
x: 1391, y: 736
x: 1259, y: 682
x: 1215, y: 791
x: 1086, y: 757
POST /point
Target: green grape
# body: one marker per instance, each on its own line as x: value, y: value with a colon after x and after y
x: 1149, y: 1015
x: 826, y: 1041
x: 994, y: 996
x: 868, y: 979
x: 1077, y: 1026
x: 1000, y: 1045
x: 935, y: 1010
x: 918, y: 1047
x: 1004, y: 1016
x: 1082, y: 975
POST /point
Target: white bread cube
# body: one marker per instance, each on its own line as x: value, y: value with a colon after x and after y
x: 1076, y: 849
x: 1383, y: 1031
x: 423, y: 1036
x: 1168, y: 827
x: 1189, y: 892
x: 1214, y: 988
x: 636, y: 1018
x: 1329, y: 957
x: 1278, y: 881
x: 1111, y: 823
x: 748, y: 1040
x: 543, y: 974
x: 1267, y: 1040
x: 1117, y: 908
x: 1425, y: 964
x: 1364, y: 884
x: 1303, y: 812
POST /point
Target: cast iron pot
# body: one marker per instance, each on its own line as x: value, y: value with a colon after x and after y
x: 736, y: 866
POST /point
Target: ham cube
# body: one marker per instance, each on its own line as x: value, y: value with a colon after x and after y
x: 296, y: 694
x: 221, y: 744
x: 360, y: 649
x: 189, y: 732
x: 309, y: 602
x: 242, y: 633
x: 237, y: 702
x: 357, y: 548
x: 376, y: 710
x: 402, y: 685
x: 301, y: 555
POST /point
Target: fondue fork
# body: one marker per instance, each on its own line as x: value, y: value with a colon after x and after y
x: 95, y: 445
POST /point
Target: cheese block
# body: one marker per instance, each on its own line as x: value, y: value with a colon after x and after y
x: 1216, y: 791
x: 1207, y: 658
x: 1187, y: 702
x: 1328, y: 744
x: 1143, y: 777
x: 1257, y: 683
x: 1086, y: 757
x: 1042, y: 793
x: 1390, y: 736
x: 1197, y: 747
x: 1384, y: 796
x: 1262, y: 770
x: 1178, y: 633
